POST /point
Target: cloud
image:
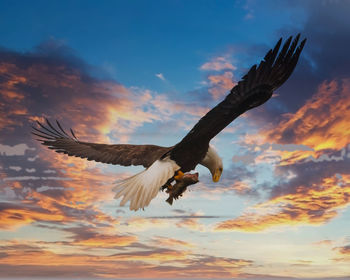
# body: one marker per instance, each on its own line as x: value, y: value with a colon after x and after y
x: 52, y: 82
x: 16, y: 168
x: 16, y: 150
x: 36, y: 85
x: 308, y: 152
x: 220, y: 84
x: 193, y: 216
x: 15, y: 215
x: 217, y: 64
x: 171, y: 242
x: 160, y: 76
x: 241, y: 187
x: 313, y: 205
x: 250, y: 13
x: 320, y: 124
x: 136, y: 224
x: 169, y: 109
x: 325, y: 242
x: 323, y: 55
x: 221, y: 77
x: 65, y: 197
x: 343, y: 253
x: 318, y: 132
x: 89, y: 237
x: 319, y: 62
x: 23, y: 258
x: 345, y: 250
x: 246, y: 159
x: 155, y: 254
x: 237, y: 179
x: 191, y: 223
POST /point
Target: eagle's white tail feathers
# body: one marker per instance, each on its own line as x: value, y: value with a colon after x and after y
x: 141, y: 188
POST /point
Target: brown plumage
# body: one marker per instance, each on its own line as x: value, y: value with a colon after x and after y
x: 58, y: 139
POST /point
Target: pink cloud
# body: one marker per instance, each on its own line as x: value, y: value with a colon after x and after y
x: 220, y: 84
x: 217, y: 64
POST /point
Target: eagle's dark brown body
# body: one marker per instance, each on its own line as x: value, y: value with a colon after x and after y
x: 189, y: 161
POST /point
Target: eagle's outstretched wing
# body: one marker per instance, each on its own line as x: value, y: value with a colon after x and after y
x: 58, y: 139
x: 255, y: 88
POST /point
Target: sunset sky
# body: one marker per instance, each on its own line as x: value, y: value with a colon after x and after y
x: 144, y: 72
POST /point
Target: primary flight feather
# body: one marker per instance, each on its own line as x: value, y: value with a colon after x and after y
x: 163, y: 164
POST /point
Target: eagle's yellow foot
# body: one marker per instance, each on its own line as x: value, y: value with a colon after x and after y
x: 169, y: 186
x: 178, y: 175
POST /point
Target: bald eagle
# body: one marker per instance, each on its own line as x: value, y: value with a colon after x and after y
x: 164, y: 164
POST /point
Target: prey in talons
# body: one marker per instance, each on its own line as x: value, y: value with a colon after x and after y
x: 180, y: 186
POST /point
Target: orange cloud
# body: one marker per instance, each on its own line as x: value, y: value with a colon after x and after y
x: 95, y: 108
x: 321, y: 124
x: 217, y: 64
x: 160, y: 255
x: 323, y: 243
x: 315, y: 132
x: 20, y: 258
x: 10, y: 94
x: 191, y: 224
x: 314, y: 205
x: 101, y: 237
x: 14, y: 216
x: 98, y: 110
x: 107, y: 241
x: 241, y: 187
x: 87, y: 188
x: 171, y: 242
x: 76, y: 197
x: 345, y: 250
x: 139, y: 224
x: 220, y: 84
x: 343, y: 254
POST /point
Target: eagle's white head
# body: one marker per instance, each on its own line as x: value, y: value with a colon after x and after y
x: 213, y: 162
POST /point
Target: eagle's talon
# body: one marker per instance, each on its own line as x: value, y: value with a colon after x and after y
x: 169, y: 187
x: 178, y: 175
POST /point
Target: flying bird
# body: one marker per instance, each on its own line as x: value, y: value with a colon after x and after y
x: 166, y: 164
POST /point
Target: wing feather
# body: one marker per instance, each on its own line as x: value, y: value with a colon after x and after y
x: 56, y: 138
x: 255, y: 88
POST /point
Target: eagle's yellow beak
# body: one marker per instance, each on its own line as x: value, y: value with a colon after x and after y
x: 216, y: 175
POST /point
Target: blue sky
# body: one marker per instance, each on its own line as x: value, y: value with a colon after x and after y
x: 145, y: 72
x: 132, y: 40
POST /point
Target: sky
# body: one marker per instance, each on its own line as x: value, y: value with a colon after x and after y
x: 144, y: 72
